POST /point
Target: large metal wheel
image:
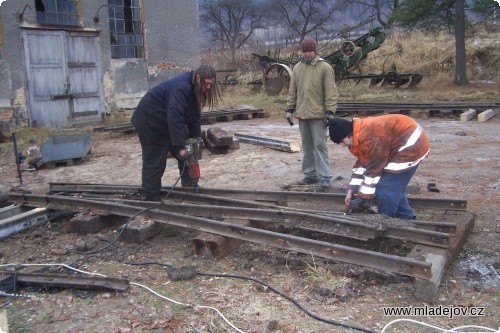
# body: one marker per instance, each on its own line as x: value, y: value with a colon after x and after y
x: 276, y: 76
x: 347, y: 48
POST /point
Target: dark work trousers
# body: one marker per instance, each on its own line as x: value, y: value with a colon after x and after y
x: 154, y: 162
x: 390, y: 195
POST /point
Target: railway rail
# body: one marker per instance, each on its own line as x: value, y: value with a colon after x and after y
x: 210, y: 117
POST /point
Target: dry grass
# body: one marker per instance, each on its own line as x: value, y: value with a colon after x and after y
x: 433, y: 54
x: 321, y: 276
x: 430, y: 54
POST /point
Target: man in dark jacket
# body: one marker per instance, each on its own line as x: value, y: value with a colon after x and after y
x: 166, y: 117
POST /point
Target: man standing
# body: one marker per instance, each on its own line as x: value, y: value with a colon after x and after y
x: 166, y: 117
x: 312, y: 98
x: 388, y: 150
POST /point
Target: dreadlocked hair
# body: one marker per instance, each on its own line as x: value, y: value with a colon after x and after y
x: 211, y: 96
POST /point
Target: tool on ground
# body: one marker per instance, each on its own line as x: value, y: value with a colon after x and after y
x: 19, y: 158
x: 192, y: 156
x: 4, y: 294
x: 289, y: 114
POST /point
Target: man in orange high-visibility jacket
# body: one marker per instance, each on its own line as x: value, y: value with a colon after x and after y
x: 388, y: 150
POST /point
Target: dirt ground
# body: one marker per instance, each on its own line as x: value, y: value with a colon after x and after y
x: 464, y: 163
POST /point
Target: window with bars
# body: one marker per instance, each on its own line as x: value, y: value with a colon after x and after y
x: 59, y: 12
x: 125, y: 27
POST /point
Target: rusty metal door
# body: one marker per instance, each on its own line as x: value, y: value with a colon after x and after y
x: 63, y: 78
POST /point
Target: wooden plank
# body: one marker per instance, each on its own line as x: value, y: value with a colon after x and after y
x: 208, y: 120
x: 225, y: 118
x: 261, y: 114
x: 244, y: 116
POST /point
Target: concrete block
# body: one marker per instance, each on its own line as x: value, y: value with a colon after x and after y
x: 426, y: 290
x: 216, y: 246
x: 468, y: 115
x: 140, y: 229
x: 85, y: 223
x: 485, y: 115
x: 4, y: 326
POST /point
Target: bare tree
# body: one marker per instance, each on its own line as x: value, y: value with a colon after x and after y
x: 381, y: 9
x: 460, y: 64
x: 305, y: 16
x: 231, y: 22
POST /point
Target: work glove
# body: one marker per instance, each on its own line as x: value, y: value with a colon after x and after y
x: 357, y: 205
x: 329, y: 115
x: 180, y: 153
x: 289, y: 115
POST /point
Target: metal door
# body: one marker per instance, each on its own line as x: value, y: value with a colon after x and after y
x: 63, y: 78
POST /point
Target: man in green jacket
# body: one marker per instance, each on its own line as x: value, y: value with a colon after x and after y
x: 312, y: 98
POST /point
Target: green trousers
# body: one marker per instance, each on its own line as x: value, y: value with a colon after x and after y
x: 315, y: 163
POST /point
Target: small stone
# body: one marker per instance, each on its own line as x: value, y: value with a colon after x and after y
x: 272, y: 325
x: 58, y: 252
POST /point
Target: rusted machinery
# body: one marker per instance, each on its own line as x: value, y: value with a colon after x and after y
x: 346, y: 63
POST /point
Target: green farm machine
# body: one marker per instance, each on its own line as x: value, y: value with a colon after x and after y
x: 346, y: 63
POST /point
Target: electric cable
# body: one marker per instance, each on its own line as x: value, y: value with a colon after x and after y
x: 275, y: 290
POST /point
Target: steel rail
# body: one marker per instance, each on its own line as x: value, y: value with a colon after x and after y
x: 229, y: 112
x: 354, y: 106
x: 278, y: 198
x: 371, y: 259
x: 349, y: 229
x: 227, y: 195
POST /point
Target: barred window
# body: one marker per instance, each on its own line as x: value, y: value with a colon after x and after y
x: 59, y: 12
x: 125, y: 26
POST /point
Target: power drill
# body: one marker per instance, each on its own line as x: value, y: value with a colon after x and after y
x: 193, y: 155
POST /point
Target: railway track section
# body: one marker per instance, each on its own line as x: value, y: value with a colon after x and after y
x: 303, y: 222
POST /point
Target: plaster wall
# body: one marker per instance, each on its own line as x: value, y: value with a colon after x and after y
x: 172, y: 38
x: 171, y: 35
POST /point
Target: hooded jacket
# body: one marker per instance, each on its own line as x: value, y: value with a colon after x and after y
x: 312, y: 89
x: 169, y: 114
x: 390, y: 143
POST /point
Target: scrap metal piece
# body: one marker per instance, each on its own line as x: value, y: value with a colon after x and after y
x: 13, y: 224
x: 283, y: 145
x: 69, y: 281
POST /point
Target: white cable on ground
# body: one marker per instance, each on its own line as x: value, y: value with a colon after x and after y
x: 439, y: 329
x: 139, y: 285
